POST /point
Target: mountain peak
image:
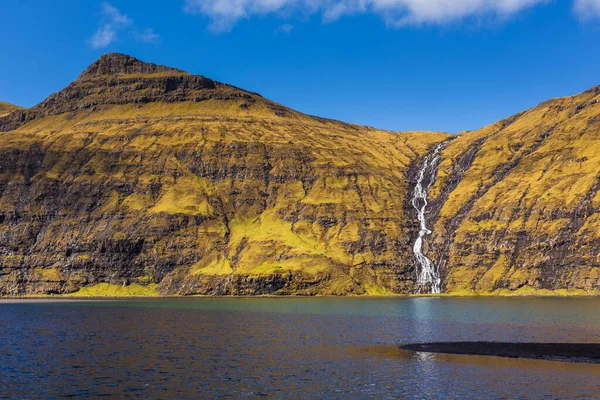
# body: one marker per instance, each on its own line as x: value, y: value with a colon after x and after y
x: 116, y: 79
x: 123, y: 64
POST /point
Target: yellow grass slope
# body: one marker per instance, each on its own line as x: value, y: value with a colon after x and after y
x: 525, y: 214
x: 7, y: 108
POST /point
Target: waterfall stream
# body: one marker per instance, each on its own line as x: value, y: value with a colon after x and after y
x: 428, y: 274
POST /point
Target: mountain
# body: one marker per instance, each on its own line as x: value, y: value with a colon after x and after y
x: 517, y: 204
x: 7, y: 108
x: 143, y: 179
x: 140, y: 179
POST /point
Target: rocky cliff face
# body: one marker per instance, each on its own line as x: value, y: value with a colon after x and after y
x: 517, y: 203
x: 145, y: 177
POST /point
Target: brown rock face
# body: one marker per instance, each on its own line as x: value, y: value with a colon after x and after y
x: 140, y: 174
x: 122, y: 64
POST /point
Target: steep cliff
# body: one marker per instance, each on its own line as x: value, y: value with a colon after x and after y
x: 143, y: 179
x: 517, y: 203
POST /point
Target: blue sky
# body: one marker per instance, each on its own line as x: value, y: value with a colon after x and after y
x: 446, y: 65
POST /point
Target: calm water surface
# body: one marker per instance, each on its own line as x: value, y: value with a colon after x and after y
x: 281, y: 348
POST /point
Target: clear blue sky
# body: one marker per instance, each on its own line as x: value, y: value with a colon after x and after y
x: 445, y: 65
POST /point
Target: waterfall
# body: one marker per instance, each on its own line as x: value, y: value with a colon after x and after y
x: 427, y: 272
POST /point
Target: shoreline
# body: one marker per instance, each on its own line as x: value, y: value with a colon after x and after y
x: 150, y: 291
x: 105, y: 290
x: 71, y: 297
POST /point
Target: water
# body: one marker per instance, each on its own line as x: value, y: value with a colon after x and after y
x: 289, y: 348
x: 427, y: 272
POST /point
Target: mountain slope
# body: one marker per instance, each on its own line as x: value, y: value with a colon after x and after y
x: 7, y: 108
x: 143, y: 179
x: 517, y: 203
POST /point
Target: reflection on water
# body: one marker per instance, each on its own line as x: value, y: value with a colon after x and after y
x: 320, y: 347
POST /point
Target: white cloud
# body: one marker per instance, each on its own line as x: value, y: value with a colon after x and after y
x: 417, y: 12
x: 587, y: 9
x: 114, y: 22
x: 104, y: 36
x: 285, y: 28
x: 114, y: 15
x: 147, y: 36
x: 224, y: 14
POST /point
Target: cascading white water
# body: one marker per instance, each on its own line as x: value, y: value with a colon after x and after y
x: 427, y: 272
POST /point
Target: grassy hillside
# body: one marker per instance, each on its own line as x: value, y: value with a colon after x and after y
x: 519, y: 202
x: 143, y: 176
x: 7, y: 108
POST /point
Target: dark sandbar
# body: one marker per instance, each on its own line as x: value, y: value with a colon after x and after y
x: 573, y: 352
